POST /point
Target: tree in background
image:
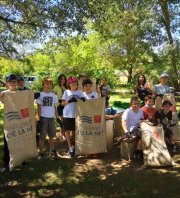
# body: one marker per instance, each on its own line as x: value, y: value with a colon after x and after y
x: 132, y: 32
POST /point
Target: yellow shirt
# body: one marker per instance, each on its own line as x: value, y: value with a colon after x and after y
x: 58, y: 91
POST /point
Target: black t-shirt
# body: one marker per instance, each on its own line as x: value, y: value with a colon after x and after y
x: 142, y: 93
x: 164, y: 118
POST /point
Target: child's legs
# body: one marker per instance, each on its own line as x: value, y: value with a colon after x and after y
x: 69, y: 125
x: 68, y: 138
x: 6, y: 157
x: 62, y: 130
x: 51, y: 133
x: 168, y: 135
x: 43, y: 133
x: 139, y: 145
x: 51, y: 143
x: 41, y: 145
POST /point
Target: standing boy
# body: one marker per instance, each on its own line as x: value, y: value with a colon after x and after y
x: 46, y: 113
x: 21, y: 84
x: 88, y: 93
x: 11, y: 84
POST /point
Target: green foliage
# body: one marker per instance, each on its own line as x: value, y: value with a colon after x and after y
x: 11, y: 66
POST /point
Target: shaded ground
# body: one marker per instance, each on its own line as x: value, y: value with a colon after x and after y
x: 106, y: 176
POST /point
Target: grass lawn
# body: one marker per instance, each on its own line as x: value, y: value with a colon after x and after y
x: 107, y: 176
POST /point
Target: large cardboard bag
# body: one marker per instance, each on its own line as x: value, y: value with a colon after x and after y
x: 154, y: 147
x: 19, y: 126
x: 90, y: 134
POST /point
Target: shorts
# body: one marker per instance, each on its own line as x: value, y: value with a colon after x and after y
x: 69, y: 124
x: 47, y: 127
x: 60, y: 110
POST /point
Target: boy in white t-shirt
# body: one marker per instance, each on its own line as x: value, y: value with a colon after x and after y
x: 69, y: 98
x: 130, y: 123
x: 88, y: 93
x: 46, y: 114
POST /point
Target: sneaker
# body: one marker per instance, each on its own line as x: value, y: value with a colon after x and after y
x: 5, y: 170
x: 40, y: 156
x: 24, y: 163
x: 72, y: 152
x: 53, y: 155
x: 138, y: 155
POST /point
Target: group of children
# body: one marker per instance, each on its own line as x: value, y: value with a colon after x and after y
x: 132, y: 116
x: 59, y: 102
x: 52, y: 103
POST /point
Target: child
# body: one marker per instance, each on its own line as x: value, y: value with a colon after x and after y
x: 105, y: 90
x: 11, y: 84
x: 46, y: 113
x: 21, y: 84
x: 164, y: 117
x: 148, y: 110
x: 130, y: 123
x: 88, y: 93
x: 68, y: 101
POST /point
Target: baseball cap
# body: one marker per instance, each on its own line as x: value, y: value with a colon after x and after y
x: 163, y: 75
x: 11, y: 77
x: 20, y: 78
x: 72, y: 79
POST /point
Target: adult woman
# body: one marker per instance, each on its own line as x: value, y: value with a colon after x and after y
x: 59, y: 90
x: 142, y: 88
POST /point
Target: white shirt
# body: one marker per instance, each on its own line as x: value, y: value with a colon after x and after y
x: 132, y: 118
x: 47, y: 102
x: 69, y: 109
x: 92, y: 95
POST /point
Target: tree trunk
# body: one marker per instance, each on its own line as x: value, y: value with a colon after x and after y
x: 166, y: 21
x: 130, y: 74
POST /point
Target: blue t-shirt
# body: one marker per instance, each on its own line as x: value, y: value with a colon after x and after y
x: 162, y: 89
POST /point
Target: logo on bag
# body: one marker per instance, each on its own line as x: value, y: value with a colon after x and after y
x: 13, y: 115
x: 86, y: 119
x: 97, y: 119
x: 24, y: 113
x: 155, y: 135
